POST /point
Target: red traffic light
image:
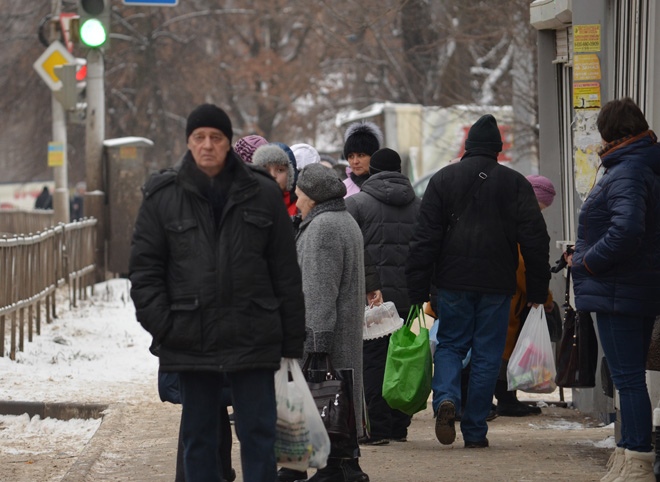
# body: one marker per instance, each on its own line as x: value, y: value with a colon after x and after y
x: 81, y: 73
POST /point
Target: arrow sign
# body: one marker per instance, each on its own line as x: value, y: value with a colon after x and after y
x: 56, y: 54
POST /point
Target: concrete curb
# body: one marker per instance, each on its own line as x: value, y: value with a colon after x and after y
x: 58, y: 410
x: 112, y: 423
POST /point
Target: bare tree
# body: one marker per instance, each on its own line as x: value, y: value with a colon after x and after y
x: 282, y: 68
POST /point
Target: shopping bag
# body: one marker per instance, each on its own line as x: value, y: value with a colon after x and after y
x: 531, y: 367
x: 653, y: 358
x: 578, y: 351
x: 332, y: 396
x: 408, y: 367
x: 578, y: 348
x: 433, y: 342
x: 301, y: 440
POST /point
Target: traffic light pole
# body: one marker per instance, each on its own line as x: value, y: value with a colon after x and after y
x: 60, y: 173
x: 94, y: 137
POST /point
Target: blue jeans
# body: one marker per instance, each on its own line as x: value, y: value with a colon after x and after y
x: 253, y: 399
x: 625, y: 341
x: 470, y: 319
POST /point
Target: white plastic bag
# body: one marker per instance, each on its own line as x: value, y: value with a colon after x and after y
x: 531, y: 367
x: 380, y: 321
x: 301, y: 439
x: 433, y: 340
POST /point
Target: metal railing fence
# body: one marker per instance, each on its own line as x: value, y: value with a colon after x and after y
x: 32, y: 267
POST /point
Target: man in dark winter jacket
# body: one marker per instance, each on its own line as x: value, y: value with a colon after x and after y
x: 385, y: 209
x: 473, y: 215
x: 216, y: 282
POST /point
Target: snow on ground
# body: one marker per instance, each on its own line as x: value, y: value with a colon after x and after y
x: 95, y: 353
x: 92, y: 353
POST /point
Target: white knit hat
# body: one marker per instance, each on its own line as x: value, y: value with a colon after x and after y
x: 305, y: 155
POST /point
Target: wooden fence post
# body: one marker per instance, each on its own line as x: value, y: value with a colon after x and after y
x: 12, y: 348
x: 2, y: 335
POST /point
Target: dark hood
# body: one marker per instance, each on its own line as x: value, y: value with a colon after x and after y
x: 392, y: 188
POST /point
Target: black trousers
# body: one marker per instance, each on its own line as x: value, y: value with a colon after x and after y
x: 384, y: 421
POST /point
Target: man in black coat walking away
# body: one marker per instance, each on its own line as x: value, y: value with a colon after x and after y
x: 474, y: 213
x: 215, y: 280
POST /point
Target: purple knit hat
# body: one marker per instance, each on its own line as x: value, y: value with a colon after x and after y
x: 246, y: 146
x: 543, y: 188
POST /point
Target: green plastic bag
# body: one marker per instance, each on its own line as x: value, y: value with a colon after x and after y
x: 408, y: 369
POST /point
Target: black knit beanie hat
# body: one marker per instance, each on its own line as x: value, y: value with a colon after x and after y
x: 385, y: 159
x: 485, y: 134
x: 363, y: 137
x: 209, y: 115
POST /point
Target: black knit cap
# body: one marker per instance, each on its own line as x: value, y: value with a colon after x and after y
x: 209, y: 115
x: 385, y: 159
x: 485, y: 134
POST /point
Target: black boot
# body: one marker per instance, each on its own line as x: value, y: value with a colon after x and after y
x: 290, y: 475
x: 340, y: 470
x: 508, y: 404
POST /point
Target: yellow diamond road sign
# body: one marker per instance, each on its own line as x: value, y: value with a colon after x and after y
x: 56, y: 54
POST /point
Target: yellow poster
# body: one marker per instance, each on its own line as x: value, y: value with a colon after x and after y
x: 586, y: 95
x: 586, y: 38
x: 128, y: 152
x: 586, y: 67
x: 55, y: 154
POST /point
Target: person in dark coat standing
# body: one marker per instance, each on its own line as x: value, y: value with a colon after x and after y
x: 44, y: 199
x: 215, y: 281
x: 385, y: 209
x: 616, y: 272
x: 474, y: 213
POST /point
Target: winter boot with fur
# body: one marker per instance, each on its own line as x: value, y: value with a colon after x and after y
x: 638, y: 467
x: 614, y: 464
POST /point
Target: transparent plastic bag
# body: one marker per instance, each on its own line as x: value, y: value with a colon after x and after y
x: 531, y: 367
x: 301, y: 438
x: 380, y: 321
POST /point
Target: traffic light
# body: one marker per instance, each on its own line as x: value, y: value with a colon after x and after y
x: 94, y: 22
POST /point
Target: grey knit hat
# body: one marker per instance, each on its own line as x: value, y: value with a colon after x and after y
x: 273, y: 154
x: 320, y: 183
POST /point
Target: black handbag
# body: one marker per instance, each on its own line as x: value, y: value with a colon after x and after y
x: 653, y: 357
x: 578, y: 349
x: 332, y: 395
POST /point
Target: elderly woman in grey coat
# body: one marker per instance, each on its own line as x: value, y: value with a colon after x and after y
x: 331, y: 257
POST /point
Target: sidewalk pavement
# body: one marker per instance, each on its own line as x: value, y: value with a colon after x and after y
x: 138, y: 443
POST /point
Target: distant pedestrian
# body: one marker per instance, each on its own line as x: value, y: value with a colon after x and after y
x: 273, y: 158
x: 77, y: 204
x: 44, y: 199
x: 328, y: 161
x: 215, y: 280
x: 305, y: 155
x: 246, y: 146
x: 474, y: 213
x: 361, y: 140
x: 616, y: 272
x: 386, y: 210
x: 508, y: 404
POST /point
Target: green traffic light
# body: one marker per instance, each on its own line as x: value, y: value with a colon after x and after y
x: 92, y: 33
